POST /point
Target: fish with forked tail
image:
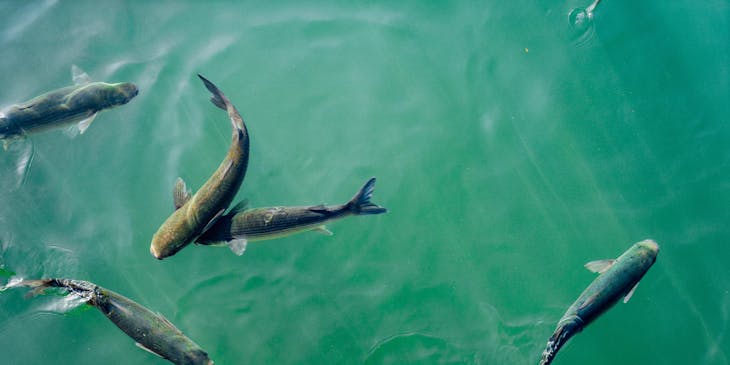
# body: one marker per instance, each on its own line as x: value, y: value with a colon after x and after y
x: 194, y: 214
x: 152, y: 331
x: 73, y: 104
x: 241, y: 226
x: 618, y: 278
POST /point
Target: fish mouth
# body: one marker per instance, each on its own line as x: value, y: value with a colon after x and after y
x: 132, y: 92
x: 129, y: 90
x: 153, y: 251
x: 649, y: 244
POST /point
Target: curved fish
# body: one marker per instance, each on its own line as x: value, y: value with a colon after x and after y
x: 618, y: 278
x: 240, y: 226
x: 195, y: 214
x: 73, y: 104
x: 152, y: 331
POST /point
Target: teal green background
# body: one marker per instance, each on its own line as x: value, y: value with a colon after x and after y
x: 510, y: 148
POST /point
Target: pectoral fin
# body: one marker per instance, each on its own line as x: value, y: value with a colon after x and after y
x: 238, y: 246
x: 180, y: 193
x: 213, y: 220
x: 72, y: 131
x: 323, y: 230
x: 588, y: 302
x: 148, y: 350
x: 79, y: 76
x: 631, y: 292
x: 599, y: 266
x: 22, y: 153
x: 84, y: 124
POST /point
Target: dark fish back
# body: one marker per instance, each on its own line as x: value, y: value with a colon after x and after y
x: 265, y: 221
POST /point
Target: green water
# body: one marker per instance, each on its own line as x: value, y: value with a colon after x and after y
x: 510, y: 148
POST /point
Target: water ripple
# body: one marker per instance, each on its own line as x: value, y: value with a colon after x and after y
x: 582, y: 26
x: 414, y: 347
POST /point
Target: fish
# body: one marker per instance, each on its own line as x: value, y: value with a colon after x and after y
x: 79, y: 103
x: 618, y: 278
x: 195, y: 213
x: 151, y: 331
x: 241, y: 225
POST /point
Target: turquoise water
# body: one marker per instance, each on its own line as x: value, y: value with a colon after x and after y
x: 510, y: 148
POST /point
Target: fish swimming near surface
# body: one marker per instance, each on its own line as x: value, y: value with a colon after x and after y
x: 151, y: 331
x: 618, y: 278
x: 241, y: 226
x: 194, y: 214
x: 74, y: 104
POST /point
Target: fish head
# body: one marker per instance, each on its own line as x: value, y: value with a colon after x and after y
x: 196, y: 356
x: 642, y: 254
x: 650, y: 246
x: 171, y: 237
x: 119, y: 94
x: 164, y: 245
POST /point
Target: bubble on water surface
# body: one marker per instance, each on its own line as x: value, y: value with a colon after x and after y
x: 581, y: 24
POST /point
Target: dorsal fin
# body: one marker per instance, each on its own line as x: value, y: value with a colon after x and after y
x: 78, y: 76
x: 180, y: 193
x: 167, y: 321
x: 321, y: 208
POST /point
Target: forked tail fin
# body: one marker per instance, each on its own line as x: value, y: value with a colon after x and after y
x: 37, y: 286
x: 83, y: 289
x: 558, y: 339
x: 361, y: 204
x: 218, y: 98
x: 221, y: 101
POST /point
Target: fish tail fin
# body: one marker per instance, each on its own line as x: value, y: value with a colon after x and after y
x: 38, y: 286
x: 218, y: 98
x: 561, y: 335
x: 360, y: 203
x: 221, y: 101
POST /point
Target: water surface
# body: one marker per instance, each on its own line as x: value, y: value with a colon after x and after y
x: 510, y: 147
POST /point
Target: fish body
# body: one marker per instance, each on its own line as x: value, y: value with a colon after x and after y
x: 72, y: 104
x: 618, y: 278
x: 152, y: 331
x: 241, y: 226
x: 195, y: 214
